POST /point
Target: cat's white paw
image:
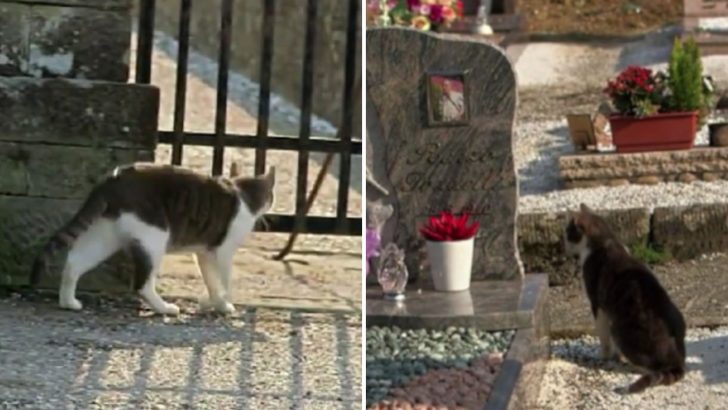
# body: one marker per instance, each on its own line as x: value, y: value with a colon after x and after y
x: 70, y: 304
x: 205, y: 303
x: 225, y: 307
x: 219, y: 305
x: 168, y: 309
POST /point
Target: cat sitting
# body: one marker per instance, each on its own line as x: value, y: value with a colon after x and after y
x: 635, y: 317
x: 151, y: 210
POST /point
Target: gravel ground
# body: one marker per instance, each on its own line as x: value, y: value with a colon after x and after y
x: 577, y: 379
x: 400, y: 363
x: 113, y: 356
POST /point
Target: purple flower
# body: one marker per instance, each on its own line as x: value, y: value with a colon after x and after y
x: 372, y: 241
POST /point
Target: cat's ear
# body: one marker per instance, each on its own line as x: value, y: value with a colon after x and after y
x: 270, y: 176
x: 585, y: 209
x: 234, y: 169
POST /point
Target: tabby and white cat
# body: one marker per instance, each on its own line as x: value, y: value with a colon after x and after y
x: 152, y: 210
x: 635, y: 317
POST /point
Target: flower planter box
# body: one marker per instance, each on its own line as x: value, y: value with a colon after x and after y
x: 661, y: 132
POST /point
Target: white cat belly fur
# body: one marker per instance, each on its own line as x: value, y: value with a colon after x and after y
x: 107, y: 236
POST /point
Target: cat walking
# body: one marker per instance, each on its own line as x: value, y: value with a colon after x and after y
x: 635, y: 317
x: 152, y: 210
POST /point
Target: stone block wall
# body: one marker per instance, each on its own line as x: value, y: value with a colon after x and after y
x: 86, y: 39
x: 68, y: 119
x: 687, y: 232
x: 648, y: 168
x: 540, y: 240
x: 290, y: 32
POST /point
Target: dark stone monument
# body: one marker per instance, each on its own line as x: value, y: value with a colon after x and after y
x: 439, y: 136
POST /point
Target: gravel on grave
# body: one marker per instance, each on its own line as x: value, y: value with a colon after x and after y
x: 431, y: 369
x: 576, y: 378
x: 538, y: 146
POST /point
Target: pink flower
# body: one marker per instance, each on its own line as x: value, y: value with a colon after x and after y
x: 425, y: 10
x: 436, y: 14
x: 448, y: 14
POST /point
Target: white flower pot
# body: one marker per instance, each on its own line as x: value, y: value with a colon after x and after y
x: 451, y: 264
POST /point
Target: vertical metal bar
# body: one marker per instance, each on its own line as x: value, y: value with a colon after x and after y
x: 223, y: 65
x: 145, y: 41
x: 306, y: 109
x: 347, y: 117
x: 180, y: 94
x: 266, y: 66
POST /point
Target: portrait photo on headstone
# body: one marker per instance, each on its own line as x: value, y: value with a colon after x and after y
x: 447, y: 102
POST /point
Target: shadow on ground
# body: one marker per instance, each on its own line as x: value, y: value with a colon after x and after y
x: 113, y: 355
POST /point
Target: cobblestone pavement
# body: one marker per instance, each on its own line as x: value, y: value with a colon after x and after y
x: 114, y: 355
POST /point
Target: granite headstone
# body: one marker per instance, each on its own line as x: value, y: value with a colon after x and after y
x: 439, y: 136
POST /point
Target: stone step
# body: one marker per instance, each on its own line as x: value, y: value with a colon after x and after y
x: 78, y: 112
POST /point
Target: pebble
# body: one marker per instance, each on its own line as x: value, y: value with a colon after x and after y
x: 450, y: 368
x: 576, y: 377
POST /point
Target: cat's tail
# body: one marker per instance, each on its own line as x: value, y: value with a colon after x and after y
x: 91, y: 210
x: 666, y: 378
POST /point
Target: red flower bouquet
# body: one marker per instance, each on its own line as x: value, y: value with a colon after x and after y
x: 637, y: 92
x: 448, y: 227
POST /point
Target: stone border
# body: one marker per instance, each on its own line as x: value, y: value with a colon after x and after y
x: 517, y: 385
x: 685, y: 232
x: 644, y: 168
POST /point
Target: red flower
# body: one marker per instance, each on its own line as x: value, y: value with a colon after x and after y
x: 448, y: 227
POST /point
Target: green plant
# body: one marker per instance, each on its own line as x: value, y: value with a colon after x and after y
x: 650, y: 254
x: 685, y: 79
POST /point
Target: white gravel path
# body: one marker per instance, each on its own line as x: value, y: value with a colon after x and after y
x: 576, y: 379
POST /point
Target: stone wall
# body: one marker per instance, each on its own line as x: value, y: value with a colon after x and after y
x: 648, y: 168
x: 540, y: 240
x: 683, y: 232
x: 68, y: 118
x: 45, y: 39
x: 290, y: 32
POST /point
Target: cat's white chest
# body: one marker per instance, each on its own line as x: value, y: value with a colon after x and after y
x: 240, y: 227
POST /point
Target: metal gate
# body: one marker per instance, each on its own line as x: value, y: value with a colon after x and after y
x: 304, y: 144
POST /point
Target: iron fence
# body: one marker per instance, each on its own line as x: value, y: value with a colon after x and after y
x: 261, y: 142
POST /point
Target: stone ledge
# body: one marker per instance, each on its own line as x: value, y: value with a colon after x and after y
x: 541, y: 247
x: 684, y: 232
x: 26, y: 224
x: 93, y: 4
x: 647, y: 168
x: 689, y: 231
x: 78, y: 112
